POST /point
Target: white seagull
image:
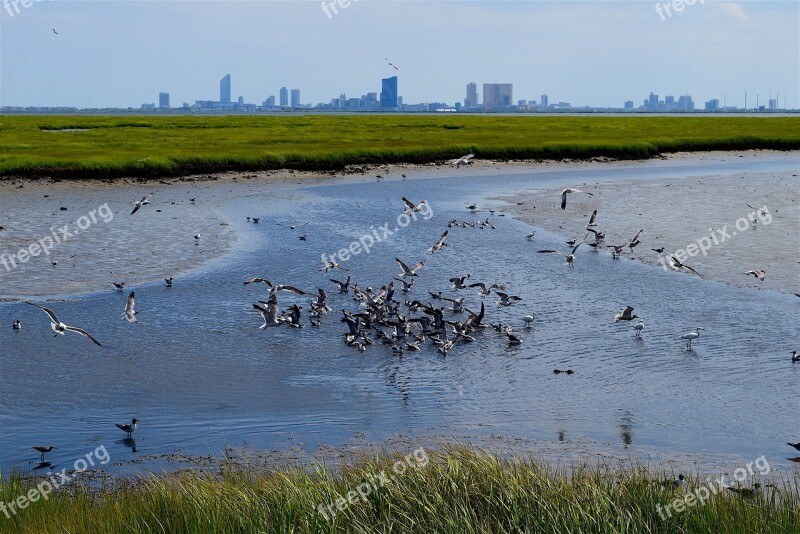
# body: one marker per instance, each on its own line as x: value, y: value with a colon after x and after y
x: 639, y: 327
x: 410, y: 206
x: 130, y: 313
x: 528, y: 319
x: 138, y: 204
x: 463, y: 160
x: 412, y: 271
x: 758, y: 273
x: 570, y: 257
x: 60, y: 328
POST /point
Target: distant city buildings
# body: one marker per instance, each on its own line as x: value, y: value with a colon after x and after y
x: 498, y: 95
x: 163, y: 100
x: 652, y: 103
x: 471, y: 101
x: 544, y: 101
x: 284, y: 94
x: 712, y: 105
x: 389, y: 93
x: 225, y: 89
x: 295, y: 98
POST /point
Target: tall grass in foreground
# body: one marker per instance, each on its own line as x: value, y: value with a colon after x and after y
x: 459, y: 490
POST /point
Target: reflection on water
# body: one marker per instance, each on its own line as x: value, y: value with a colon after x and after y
x: 201, y: 375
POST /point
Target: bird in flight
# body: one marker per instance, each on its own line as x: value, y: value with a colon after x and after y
x: 568, y: 190
x: 758, y: 273
x: 392, y: 64
x: 410, y: 206
x: 54, y: 31
x: 463, y: 160
x: 440, y: 243
x: 130, y: 313
x: 61, y: 328
x: 140, y: 203
x: 625, y: 315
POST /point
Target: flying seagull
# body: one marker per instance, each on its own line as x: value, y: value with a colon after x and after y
x: 758, y: 273
x: 411, y: 207
x: 409, y: 271
x: 54, y: 31
x: 270, y: 314
x: 128, y: 428
x: 392, y: 64
x: 677, y: 265
x: 440, y: 243
x: 463, y: 160
x: 61, y: 328
x: 168, y: 281
x: 130, y: 313
x: 625, y: 315
x: 139, y: 203
x: 570, y: 257
x: 568, y: 190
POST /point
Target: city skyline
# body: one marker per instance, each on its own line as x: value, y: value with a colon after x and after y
x: 596, y: 54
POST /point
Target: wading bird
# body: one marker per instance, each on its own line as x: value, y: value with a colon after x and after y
x: 128, y: 428
x: 60, y: 328
x: 41, y: 449
x: 691, y: 336
x: 639, y: 327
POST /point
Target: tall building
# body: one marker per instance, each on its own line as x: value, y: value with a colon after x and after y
x: 270, y: 102
x: 225, y: 89
x: 472, y: 96
x: 163, y: 100
x: 685, y: 103
x: 389, y: 92
x: 284, y: 97
x: 544, y: 101
x: 497, y: 95
x: 712, y: 105
x: 629, y: 105
x: 295, y: 98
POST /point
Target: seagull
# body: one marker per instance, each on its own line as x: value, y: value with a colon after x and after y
x: 197, y: 239
x: 658, y: 250
x: 407, y: 284
x: 168, y: 281
x: 330, y: 265
x: 568, y: 190
x: 130, y: 313
x: 675, y: 264
x: 410, y: 206
x: 270, y: 314
x: 691, y: 336
x: 16, y: 325
x: 440, y: 243
x: 303, y: 237
x: 795, y: 445
x: 463, y: 160
x: 43, y: 450
x: 505, y: 298
x: 746, y: 492
x: 635, y: 241
x: 559, y: 371
x: 795, y: 356
x: 140, y: 203
x: 256, y: 219
x: 60, y: 328
x: 458, y: 281
x: 570, y: 257
x: 674, y: 483
x: 591, y: 223
x: 119, y: 285
x: 758, y: 273
x: 625, y: 315
x: 392, y: 64
x: 128, y: 428
x: 528, y: 319
x: 513, y: 339
x: 472, y: 207
x: 54, y: 31
x: 343, y: 286
x: 409, y: 271
x: 639, y: 327
x: 530, y: 236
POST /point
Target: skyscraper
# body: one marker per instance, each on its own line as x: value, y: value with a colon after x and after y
x: 163, y: 100
x: 284, y: 97
x: 225, y: 89
x: 498, y: 95
x: 544, y: 101
x: 295, y: 98
x: 389, y: 92
x: 472, y: 96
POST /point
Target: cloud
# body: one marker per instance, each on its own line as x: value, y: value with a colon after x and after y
x: 732, y: 10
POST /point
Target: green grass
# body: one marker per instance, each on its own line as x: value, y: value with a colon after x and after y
x: 459, y: 490
x: 163, y: 146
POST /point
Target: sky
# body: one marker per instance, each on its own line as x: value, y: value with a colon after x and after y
x: 123, y: 53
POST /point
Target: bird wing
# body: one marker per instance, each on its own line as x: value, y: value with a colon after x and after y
x: 48, y: 311
x: 478, y: 284
x: 591, y: 220
x: 627, y: 311
x: 564, y: 199
x: 553, y: 252
x: 292, y: 289
x: 136, y: 208
x: 130, y: 303
x: 402, y: 265
x: 418, y: 266
x: 690, y: 269
x: 408, y: 203
x: 637, y: 235
x: 82, y: 332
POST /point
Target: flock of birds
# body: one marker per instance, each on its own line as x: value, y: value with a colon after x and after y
x: 404, y: 325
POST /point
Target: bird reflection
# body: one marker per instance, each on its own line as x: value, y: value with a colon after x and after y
x: 128, y: 442
x: 43, y: 465
x: 626, y: 429
x: 562, y: 435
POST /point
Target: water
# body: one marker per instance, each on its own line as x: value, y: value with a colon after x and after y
x: 200, y: 376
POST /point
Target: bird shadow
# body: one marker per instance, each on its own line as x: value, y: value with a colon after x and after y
x: 43, y: 465
x: 128, y: 442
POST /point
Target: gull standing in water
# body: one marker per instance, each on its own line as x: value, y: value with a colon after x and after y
x: 528, y: 319
x: 690, y: 336
x: 130, y: 313
x: 568, y: 190
x: 128, y: 428
x: 639, y: 327
x: 60, y: 328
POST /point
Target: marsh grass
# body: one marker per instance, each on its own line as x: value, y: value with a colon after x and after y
x: 78, y: 147
x: 459, y: 490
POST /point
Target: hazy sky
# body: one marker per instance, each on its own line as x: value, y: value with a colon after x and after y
x: 123, y: 53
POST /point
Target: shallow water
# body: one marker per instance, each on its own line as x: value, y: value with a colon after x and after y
x: 201, y: 376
